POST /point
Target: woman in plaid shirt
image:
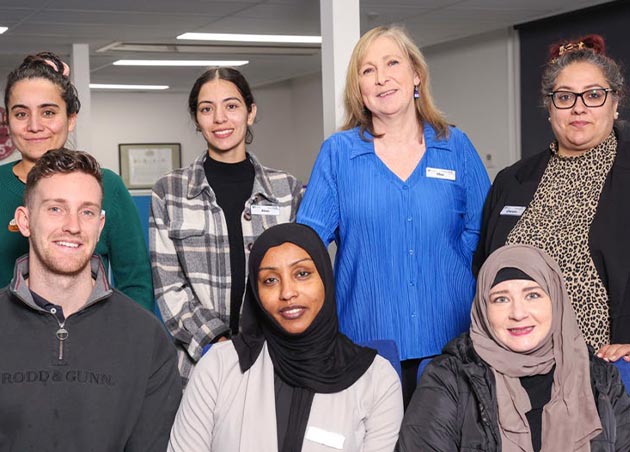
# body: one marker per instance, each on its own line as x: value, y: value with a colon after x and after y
x: 205, y: 218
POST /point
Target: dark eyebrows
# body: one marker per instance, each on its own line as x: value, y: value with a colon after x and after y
x: 46, y: 105
x: 292, y: 264
x: 587, y: 87
x: 227, y: 99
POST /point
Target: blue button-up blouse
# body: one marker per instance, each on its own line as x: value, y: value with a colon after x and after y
x: 404, y: 248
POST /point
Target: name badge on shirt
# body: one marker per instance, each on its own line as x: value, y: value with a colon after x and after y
x: 330, y: 439
x: 439, y: 173
x: 514, y: 211
x: 265, y: 210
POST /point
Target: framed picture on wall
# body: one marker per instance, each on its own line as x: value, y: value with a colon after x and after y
x: 142, y: 164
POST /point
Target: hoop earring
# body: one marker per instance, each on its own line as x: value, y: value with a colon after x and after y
x: 416, y: 93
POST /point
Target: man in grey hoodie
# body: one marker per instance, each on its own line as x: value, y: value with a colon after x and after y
x: 82, y: 367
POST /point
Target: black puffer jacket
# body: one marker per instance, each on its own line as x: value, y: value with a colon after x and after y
x: 454, y: 407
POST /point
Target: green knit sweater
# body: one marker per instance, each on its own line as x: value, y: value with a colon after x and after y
x: 121, y: 244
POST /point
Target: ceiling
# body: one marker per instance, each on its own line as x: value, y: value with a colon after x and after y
x: 36, y: 25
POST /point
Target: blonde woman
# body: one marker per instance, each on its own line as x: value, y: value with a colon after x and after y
x: 401, y: 192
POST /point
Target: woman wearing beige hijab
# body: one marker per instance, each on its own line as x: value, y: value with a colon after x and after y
x: 523, y: 379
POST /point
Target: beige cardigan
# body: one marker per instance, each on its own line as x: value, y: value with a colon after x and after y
x: 224, y: 410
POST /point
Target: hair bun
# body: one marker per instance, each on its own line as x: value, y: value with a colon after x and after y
x: 49, y: 59
x: 593, y: 42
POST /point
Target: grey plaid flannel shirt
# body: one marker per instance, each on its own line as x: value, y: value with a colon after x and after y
x: 190, y: 251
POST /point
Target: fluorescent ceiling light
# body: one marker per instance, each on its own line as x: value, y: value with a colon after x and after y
x: 3, y: 29
x: 206, y: 63
x: 229, y: 37
x: 116, y: 86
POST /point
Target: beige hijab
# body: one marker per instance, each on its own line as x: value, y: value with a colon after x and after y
x: 570, y: 418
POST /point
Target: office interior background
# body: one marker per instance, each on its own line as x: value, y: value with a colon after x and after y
x: 484, y: 57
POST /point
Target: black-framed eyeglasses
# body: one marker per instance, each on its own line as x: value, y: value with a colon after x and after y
x: 595, y: 97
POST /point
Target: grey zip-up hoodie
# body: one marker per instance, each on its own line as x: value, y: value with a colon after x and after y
x: 105, y: 379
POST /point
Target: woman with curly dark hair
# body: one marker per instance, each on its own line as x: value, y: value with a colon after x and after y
x: 42, y: 106
x: 571, y: 199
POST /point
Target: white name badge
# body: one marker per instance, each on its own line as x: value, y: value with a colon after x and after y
x: 330, y: 439
x: 514, y: 211
x: 439, y: 173
x: 265, y: 210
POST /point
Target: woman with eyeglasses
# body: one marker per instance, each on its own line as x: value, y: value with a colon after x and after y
x: 571, y: 200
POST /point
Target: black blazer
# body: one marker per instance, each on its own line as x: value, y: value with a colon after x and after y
x: 609, y: 236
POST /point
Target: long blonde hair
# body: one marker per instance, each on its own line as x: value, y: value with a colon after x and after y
x: 357, y: 115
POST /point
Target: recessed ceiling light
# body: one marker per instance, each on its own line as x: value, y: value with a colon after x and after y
x: 3, y: 29
x: 116, y: 86
x: 206, y: 63
x: 229, y: 37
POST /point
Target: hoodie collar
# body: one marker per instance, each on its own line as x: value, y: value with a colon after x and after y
x: 19, y: 286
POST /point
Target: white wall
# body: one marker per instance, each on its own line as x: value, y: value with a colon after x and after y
x: 474, y: 82
x: 140, y: 118
x: 287, y: 133
x: 289, y: 128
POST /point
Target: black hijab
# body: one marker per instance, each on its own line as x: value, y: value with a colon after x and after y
x: 318, y: 360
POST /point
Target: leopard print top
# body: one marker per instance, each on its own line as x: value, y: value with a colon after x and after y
x: 558, y: 221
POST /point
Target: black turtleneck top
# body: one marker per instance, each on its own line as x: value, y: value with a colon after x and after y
x: 232, y: 184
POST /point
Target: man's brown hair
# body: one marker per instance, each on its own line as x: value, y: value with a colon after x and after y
x: 61, y: 161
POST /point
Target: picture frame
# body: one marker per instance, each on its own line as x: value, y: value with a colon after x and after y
x: 142, y: 164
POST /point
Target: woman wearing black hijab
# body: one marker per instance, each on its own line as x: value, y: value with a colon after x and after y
x: 290, y: 381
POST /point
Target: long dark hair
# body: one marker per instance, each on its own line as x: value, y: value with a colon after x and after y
x: 228, y: 74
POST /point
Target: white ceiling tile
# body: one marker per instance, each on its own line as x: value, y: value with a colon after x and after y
x: 217, y: 8
x: 121, y: 19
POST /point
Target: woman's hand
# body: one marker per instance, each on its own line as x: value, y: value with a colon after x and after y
x: 612, y: 352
